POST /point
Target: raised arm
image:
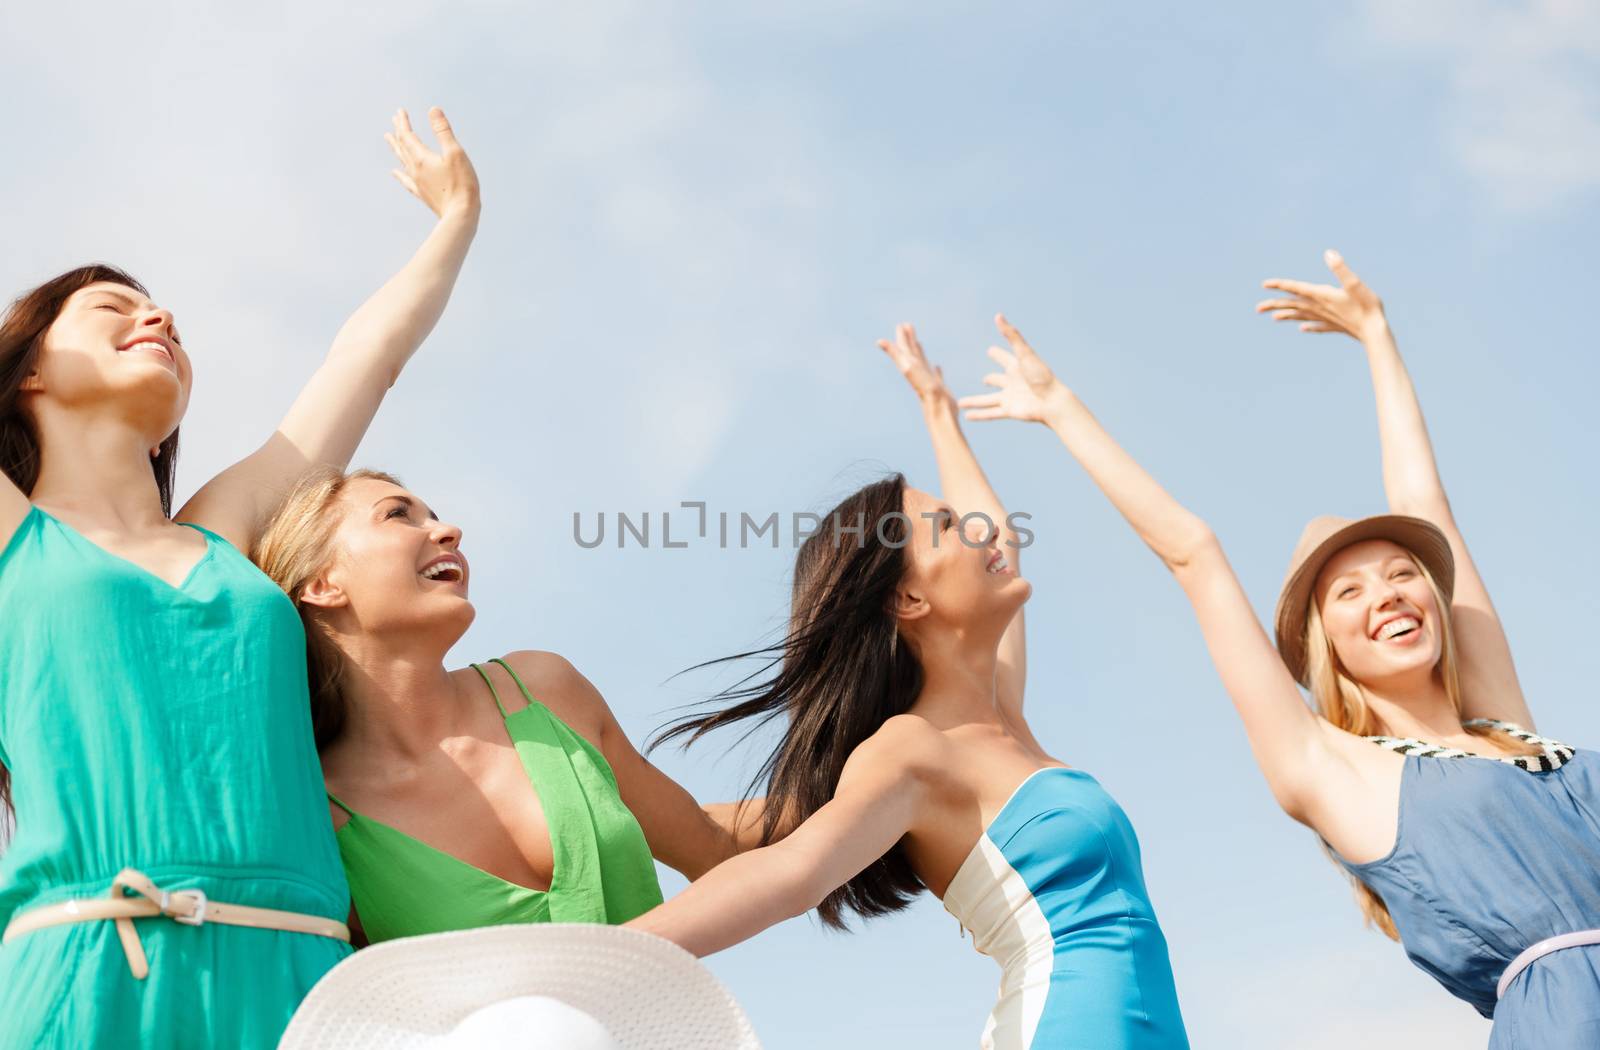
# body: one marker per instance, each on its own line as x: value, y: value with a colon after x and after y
x: 1489, y: 684
x: 332, y: 412
x: 874, y: 806
x: 964, y: 484
x: 1293, y: 746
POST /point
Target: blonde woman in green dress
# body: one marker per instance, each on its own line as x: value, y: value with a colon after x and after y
x: 171, y: 879
x: 488, y: 794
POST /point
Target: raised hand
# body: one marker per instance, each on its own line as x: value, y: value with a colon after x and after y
x: 906, y: 353
x: 1351, y: 308
x: 1026, y: 388
x: 444, y: 181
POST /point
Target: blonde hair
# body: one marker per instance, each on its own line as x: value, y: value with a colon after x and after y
x: 1342, y: 700
x: 294, y: 549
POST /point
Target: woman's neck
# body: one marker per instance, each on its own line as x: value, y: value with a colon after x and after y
x: 958, y: 681
x: 401, y: 701
x: 1420, y: 710
x: 99, y: 472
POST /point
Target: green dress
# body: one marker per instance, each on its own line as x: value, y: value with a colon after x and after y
x: 602, y: 869
x: 165, y: 729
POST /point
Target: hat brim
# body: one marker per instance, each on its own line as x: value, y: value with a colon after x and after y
x: 648, y: 993
x: 1422, y: 538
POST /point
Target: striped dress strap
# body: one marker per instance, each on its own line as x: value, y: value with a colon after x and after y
x: 1553, y: 753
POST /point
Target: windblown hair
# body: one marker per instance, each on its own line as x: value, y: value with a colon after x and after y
x: 22, y: 332
x: 841, y: 672
x: 293, y: 549
x: 1342, y: 701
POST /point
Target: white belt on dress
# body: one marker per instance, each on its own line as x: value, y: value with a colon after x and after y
x: 1539, y: 951
x: 190, y: 907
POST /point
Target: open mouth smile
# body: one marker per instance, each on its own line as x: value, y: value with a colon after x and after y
x: 450, y: 568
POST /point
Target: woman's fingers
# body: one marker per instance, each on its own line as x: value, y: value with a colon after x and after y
x: 1305, y: 288
x: 414, y: 145
x: 1340, y: 268
x: 399, y: 152
x: 1319, y: 326
x: 441, y: 127
x: 1003, y: 358
x: 995, y: 379
x: 1014, y: 337
x: 1281, y: 304
x: 397, y: 140
x: 979, y: 401
x: 407, y: 181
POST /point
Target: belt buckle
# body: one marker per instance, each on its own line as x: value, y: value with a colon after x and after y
x: 198, y: 916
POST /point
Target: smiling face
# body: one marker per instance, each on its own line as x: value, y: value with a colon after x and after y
x: 956, y: 575
x: 1380, y: 613
x: 110, y: 343
x: 396, y: 566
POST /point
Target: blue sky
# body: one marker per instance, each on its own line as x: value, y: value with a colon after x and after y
x: 696, y: 223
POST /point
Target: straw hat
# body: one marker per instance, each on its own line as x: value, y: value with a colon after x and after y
x: 1326, y: 536
x: 544, y: 986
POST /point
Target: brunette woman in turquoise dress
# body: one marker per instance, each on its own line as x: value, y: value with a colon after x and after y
x: 171, y: 879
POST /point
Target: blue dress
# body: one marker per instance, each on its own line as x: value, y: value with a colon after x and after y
x: 1489, y: 859
x: 1054, y: 892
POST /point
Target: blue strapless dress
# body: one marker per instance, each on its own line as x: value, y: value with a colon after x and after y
x: 1054, y: 892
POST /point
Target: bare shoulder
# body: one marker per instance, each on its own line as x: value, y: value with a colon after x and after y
x: 905, y: 745
x: 559, y: 686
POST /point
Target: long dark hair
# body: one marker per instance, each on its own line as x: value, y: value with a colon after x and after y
x: 22, y: 332
x: 841, y: 672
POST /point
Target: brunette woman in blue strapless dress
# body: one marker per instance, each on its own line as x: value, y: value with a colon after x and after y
x: 907, y: 763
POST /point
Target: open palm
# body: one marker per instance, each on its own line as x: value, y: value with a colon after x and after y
x: 1025, y: 389
x: 1351, y: 308
x: 906, y: 353
x: 445, y: 181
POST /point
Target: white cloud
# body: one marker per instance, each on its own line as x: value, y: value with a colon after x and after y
x: 1523, y: 109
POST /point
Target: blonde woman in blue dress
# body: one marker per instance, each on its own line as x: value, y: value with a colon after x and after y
x: 1472, y: 840
x: 172, y: 879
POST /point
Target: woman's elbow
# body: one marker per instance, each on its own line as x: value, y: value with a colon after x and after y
x: 806, y: 890
x: 1195, y: 546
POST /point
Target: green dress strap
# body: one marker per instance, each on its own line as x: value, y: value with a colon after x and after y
x: 495, y: 692
x: 602, y: 869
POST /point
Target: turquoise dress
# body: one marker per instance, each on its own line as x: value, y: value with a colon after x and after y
x: 164, y: 729
x: 1054, y: 892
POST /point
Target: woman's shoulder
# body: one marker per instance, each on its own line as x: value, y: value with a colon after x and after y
x: 550, y: 679
x: 908, y: 742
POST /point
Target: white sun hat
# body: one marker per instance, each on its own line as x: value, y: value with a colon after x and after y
x: 540, y: 986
